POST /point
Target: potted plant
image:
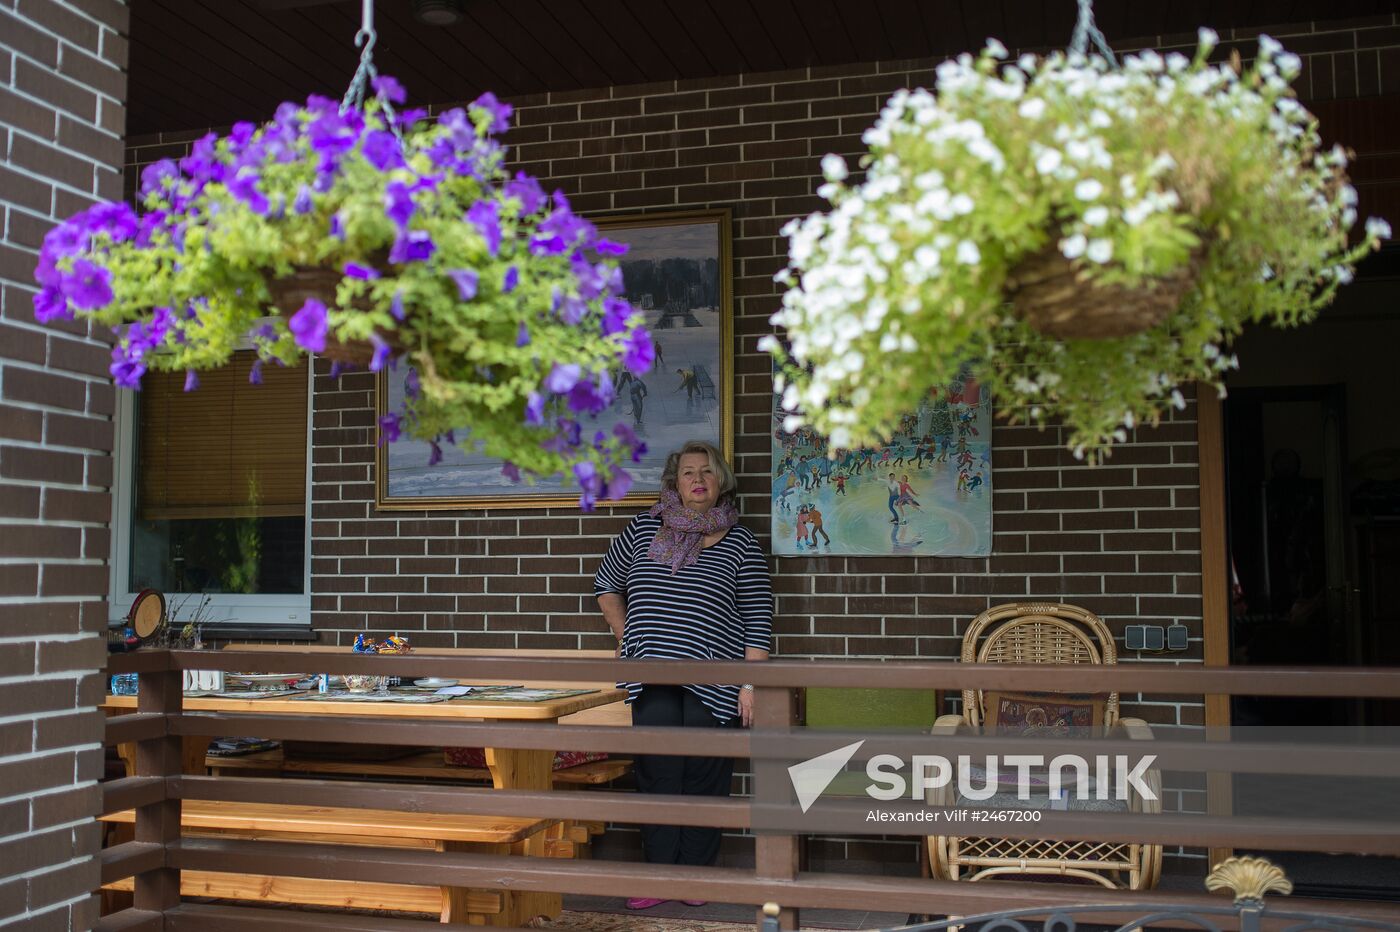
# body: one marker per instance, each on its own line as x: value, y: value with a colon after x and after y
x: 1090, y: 237
x: 380, y: 238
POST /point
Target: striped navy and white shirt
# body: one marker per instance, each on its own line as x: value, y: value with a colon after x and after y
x: 710, y: 610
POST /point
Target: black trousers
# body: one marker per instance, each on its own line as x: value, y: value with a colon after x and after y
x: 695, y: 776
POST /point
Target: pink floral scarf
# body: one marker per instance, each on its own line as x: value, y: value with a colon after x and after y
x: 682, y: 531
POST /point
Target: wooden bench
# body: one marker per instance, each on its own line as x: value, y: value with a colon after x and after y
x: 372, y: 827
x: 428, y: 765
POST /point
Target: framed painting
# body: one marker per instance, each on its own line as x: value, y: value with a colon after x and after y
x: 926, y: 492
x: 678, y: 273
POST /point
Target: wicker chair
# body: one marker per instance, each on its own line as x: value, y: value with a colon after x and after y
x: 1043, y: 633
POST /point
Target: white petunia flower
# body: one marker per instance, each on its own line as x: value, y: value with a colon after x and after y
x: 996, y: 49
x: 1031, y: 109
x: 1088, y: 189
x: 1376, y: 228
x: 1100, y: 251
x: 834, y: 167
x: 1073, y: 247
x: 1048, y: 161
x: 961, y: 204
x: 1096, y: 216
x: 968, y: 253
x: 1208, y: 38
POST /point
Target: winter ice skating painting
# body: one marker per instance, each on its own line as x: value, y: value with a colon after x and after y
x: 928, y: 491
x: 677, y: 274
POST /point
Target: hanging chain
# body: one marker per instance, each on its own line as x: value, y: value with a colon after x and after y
x: 366, y: 72
x: 1086, y: 29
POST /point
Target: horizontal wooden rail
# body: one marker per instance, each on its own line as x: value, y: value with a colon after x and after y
x: 130, y: 792
x: 129, y: 859
x: 134, y: 726
x: 200, y: 917
x: 801, y: 743
x: 1195, y: 830
x: 145, y: 661
x: 1373, y: 682
x: 731, y: 885
x: 131, y: 920
x: 712, y: 812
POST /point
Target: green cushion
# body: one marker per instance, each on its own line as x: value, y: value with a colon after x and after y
x: 871, y: 708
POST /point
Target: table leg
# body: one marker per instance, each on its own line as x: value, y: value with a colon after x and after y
x: 522, y: 769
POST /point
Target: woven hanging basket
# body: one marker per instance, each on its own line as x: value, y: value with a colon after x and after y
x: 291, y: 291
x: 1047, y: 292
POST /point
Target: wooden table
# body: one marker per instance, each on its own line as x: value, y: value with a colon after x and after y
x: 511, y: 768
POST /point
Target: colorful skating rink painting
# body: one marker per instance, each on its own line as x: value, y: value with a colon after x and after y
x: 927, y: 491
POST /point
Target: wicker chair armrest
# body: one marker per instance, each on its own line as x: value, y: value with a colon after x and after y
x: 1136, y: 729
x: 947, y: 725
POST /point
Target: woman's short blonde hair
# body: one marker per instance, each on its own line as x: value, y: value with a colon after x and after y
x: 727, y: 483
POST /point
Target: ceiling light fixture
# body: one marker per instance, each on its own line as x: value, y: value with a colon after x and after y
x: 438, y: 12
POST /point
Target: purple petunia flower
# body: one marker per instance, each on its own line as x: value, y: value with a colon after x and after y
x: 618, y: 485
x: 527, y: 191
x: 615, y: 315
x: 413, y: 246
x: 590, y: 484
x: 303, y: 202
x: 396, y: 306
x: 500, y: 111
x: 562, y: 377
x: 244, y: 187
x: 485, y: 216
x: 510, y: 471
x: 407, y: 118
x: 390, y: 428
x: 50, y: 304
x: 398, y: 203
x: 412, y: 388
x: 255, y: 373
x: 155, y: 176
x: 337, y: 226
x: 333, y: 133
x: 381, y: 353
x: 638, y: 352
x: 522, y: 336
x: 191, y: 380
x: 435, y: 454
x: 548, y: 245
x: 467, y: 281
x: 607, y: 247
x: 591, y: 397
x: 572, y: 310
x: 389, y: 88
x: 363, y: 272
x: 461, y: 128
x: 382, y: 150
x: 511, y: 280
x: 309, y: 326
x: 126, y: 371
x: 116, y: 219
x: 88, y: 286
x: 534, y: 409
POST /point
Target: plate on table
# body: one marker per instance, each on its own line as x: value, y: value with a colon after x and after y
x: 434, y: 682
x: 265, y: 680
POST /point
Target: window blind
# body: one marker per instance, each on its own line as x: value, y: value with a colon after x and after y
x: 229, y: 449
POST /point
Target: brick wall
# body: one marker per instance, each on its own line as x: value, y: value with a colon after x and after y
x: 62, y: 93
x: 1121, y: 539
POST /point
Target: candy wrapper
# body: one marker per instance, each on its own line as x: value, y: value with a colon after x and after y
x: 365, y: 645
x: 394, y: 645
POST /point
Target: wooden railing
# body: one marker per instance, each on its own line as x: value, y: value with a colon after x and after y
x: 159, y: 852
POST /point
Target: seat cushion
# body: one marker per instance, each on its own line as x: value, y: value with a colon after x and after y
x: 1040, y: 714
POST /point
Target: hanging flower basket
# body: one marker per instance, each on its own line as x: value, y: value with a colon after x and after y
x: 375, y: 238
x: 1088, y: 236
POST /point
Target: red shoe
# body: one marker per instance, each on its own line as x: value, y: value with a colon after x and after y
x: 643, y: 902
x: 693, y: 902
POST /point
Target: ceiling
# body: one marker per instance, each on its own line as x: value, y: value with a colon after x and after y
x: 199, y: 63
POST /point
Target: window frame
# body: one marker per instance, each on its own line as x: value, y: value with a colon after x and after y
x: 284, y: 610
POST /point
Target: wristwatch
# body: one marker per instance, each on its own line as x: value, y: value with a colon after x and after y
x: 748, y: 686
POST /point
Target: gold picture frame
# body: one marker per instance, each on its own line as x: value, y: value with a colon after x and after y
x: 404, y: 481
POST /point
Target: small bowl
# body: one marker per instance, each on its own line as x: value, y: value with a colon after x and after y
x: 434, y: 682
x: 363, y: 682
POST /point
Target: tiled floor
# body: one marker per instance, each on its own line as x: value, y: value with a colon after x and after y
x: 737, y: 912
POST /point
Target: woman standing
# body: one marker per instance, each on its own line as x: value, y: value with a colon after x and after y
x: 685, y: 581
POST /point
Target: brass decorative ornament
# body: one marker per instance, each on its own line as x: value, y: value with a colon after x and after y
x: 1249, y: 878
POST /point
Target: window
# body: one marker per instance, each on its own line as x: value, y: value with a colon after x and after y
x: 212, y: 492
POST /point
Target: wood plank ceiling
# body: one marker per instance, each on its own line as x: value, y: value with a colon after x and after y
x: 198, y: 63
